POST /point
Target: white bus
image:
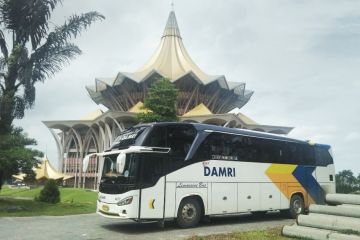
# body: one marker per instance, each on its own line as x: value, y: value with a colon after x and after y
x: 187, y: 171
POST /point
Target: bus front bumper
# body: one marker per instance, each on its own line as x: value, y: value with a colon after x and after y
x: 113, y: 210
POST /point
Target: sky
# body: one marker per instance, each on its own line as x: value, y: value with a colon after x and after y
x: 302, y: 59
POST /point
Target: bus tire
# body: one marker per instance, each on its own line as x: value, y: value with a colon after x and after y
x: 189, y: 213
x: 297, y: 206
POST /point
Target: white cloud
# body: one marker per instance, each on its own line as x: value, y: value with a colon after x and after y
x: 352, y: 137
x: 302, y: 59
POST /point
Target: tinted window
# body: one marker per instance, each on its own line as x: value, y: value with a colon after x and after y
x: 227, y: 147
x: 157, y: 137
x: 250, y: 149
x: 270, y: 150
x: 153, y: 167
x: 322, y: 156
x: 246, y: 148
x: 308, y: 155
x: 217, y: 146
x: 177, y: 137
x: 297, y: 153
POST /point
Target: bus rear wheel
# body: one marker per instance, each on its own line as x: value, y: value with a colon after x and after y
x: 297, y: 206
x: 189, y: 213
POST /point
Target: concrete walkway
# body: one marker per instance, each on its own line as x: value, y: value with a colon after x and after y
x: 92, y: 226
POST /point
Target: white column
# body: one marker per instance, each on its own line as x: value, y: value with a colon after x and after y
x: 80, y: 152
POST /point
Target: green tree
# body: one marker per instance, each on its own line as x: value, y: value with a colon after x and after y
x: 50, y: 193
x: 15, y: 154
x: 30, y: 178
x: 32, y: 52
x: 161, y: 101
x: 346, y: 182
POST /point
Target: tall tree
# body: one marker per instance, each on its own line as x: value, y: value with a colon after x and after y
x: 346, y: 182
x: 32, y: 52
x: 15, y: 154
x: 161, y: 101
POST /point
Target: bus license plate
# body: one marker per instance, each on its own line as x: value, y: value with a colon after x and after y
x: 105, y: 208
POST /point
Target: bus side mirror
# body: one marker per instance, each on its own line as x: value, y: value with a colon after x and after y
x: 120, y: 163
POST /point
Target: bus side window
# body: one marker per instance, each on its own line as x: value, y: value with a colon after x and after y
x: 238, y: 146
x: 297, y: 153
x: 179, y: 139
x: 322, y: 156
x: 245, y: 148
x: 291, y: 153
x: 308, y: 155
x: 271, y: 151
x: 156, y: 138
x: 253, y: 150
x: 286, y: 154
x: 209, y: 148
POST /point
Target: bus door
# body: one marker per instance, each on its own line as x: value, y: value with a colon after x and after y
x: 178, y: 138
x: 152, y: 190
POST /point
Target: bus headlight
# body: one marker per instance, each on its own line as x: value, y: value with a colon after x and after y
x: 125, y: 201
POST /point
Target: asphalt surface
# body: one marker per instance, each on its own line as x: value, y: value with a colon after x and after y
x: 92, y: 226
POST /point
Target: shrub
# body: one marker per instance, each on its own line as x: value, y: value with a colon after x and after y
x: 50, y: 193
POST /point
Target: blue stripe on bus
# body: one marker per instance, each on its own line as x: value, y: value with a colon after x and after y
x: 304, y: 175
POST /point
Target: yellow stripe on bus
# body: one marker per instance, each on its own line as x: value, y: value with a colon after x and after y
x: 282, y: 176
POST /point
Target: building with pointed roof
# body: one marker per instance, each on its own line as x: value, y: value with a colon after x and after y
x: 44, y: 171
x: 172, y: 61
x: 202, y: 98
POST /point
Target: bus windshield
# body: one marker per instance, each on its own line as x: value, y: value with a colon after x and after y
x: 127, y: 175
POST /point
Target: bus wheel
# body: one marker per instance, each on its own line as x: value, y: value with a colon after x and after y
x: 189, y: 213
x: 297, y: 206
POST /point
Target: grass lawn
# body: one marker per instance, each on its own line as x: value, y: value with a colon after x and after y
x: 271, y: 234
x: 73, y: 201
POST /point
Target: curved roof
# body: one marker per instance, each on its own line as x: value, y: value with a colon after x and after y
x: 92, y: 115
x: 44, y: 171
x: 199, y: 110
x: 170, y: 60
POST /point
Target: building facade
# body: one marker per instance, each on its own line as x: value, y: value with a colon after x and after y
x: 202, y: 98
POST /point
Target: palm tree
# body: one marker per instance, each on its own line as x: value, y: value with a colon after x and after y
x: 32, y: 52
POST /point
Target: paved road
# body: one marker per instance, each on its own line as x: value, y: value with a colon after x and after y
x: 92, y: 226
